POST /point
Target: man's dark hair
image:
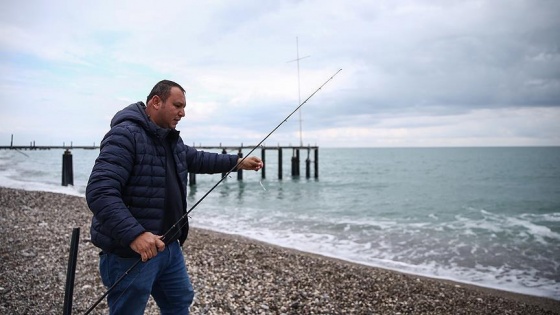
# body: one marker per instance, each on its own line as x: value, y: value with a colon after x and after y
x: 162, y: 89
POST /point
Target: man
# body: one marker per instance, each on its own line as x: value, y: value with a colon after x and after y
x: 137, y: 192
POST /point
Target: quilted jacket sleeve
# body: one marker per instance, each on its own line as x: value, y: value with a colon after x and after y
x: 108, y: 178
x: 209, y: 163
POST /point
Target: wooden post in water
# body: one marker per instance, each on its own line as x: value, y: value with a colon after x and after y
x: 192, y: 179
x: 293, y: 169
x: 307, y: 165
x: 240, y: 171
x: 263, y: 156
x: 317, y: 163
x: 12, y: 142
x: 67, y: 169
x: 295, y: 163
x: 224, y: 152
x: 279, y: 162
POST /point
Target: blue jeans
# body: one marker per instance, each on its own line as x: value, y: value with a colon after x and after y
x: 164, y: 277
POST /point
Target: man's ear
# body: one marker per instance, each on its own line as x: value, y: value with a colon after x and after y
x: 156, y: 102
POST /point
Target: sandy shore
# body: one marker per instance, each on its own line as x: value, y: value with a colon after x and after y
x: 231, y: 274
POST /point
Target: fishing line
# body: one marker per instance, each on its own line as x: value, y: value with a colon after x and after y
x: 260, y: 181
x: 179, y: 225
x: 18, y: 151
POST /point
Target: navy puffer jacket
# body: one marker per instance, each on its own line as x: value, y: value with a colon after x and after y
x: 126, y: 189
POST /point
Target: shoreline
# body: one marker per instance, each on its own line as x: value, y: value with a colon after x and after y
x: 230, y: 273
x: 545, y: 302
x: 497, y: 291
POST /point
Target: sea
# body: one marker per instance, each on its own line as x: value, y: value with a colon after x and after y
x: 488, y: 216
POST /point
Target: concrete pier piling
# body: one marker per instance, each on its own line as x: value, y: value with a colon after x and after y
x: 263, y: 158
x: 295, y: 162
x: 223, y: 152
x: 307, y: 166
x: 192, y: 179
x: 67, y: 169
x: 240, y: 171
x: 279, y: 163
x: 316, y: 163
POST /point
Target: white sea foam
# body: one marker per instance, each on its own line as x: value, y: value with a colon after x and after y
x: 521, y: 281
x: 538, y: 231
x: 36, y: 186
x: 378, y: 255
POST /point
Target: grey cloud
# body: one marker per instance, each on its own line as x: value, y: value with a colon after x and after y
x: 399, y: 59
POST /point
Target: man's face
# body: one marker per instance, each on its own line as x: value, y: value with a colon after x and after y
x: 172, y: 110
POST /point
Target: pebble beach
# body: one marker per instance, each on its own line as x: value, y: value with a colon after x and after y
x: 230, y: 274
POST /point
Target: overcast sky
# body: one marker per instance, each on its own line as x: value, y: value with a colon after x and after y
x: 414, y: 73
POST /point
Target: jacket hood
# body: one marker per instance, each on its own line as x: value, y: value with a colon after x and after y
x: 137, y: 113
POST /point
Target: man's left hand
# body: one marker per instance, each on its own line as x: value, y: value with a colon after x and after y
x: 250, y: 163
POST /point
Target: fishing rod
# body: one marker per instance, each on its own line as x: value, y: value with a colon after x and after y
x: 179, y: 222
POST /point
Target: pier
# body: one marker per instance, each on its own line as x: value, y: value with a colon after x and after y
x: 48, y: 147
x: 311, y: 155
x: 295, y: 159
x: 32, y: 146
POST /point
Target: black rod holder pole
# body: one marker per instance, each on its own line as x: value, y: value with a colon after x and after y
x: 73, y: 257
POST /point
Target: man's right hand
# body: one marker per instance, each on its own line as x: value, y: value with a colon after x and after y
x: 147, y: 245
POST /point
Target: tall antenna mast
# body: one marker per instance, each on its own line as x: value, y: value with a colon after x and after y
x: 299, y: 89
